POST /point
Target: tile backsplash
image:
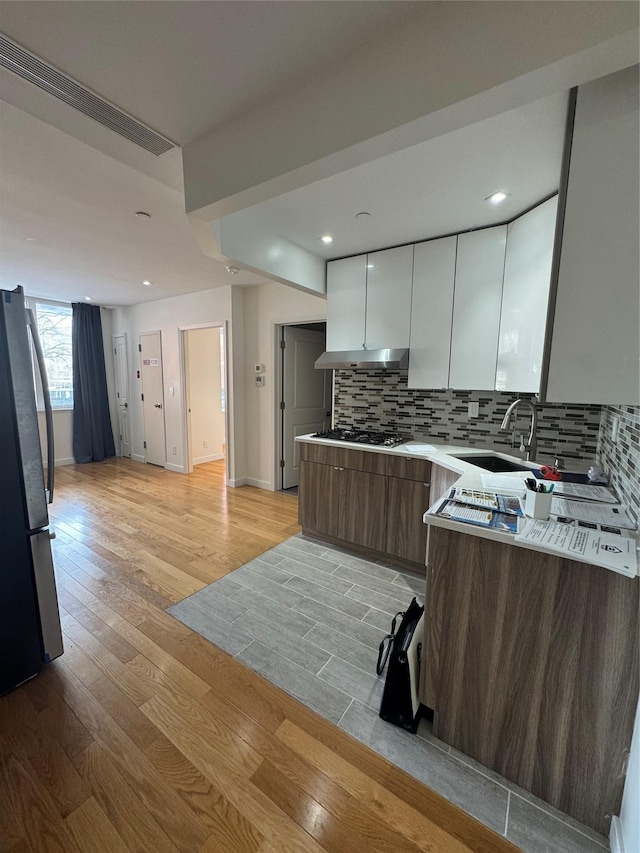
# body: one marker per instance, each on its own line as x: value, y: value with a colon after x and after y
x: 380, y: 399
x: 621, y: 458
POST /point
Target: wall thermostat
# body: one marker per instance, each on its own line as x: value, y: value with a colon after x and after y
x: 259, y: 368
x: 259, y: 380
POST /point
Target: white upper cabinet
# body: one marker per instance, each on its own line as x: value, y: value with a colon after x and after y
x: 596, y: 333
x: 388, y: 298
x: 346, y: 301
x: 431, y: 313
x: 476, y: 308
x: 527, y: 276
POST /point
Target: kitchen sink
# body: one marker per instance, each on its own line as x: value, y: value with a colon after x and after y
x: 492, y: 462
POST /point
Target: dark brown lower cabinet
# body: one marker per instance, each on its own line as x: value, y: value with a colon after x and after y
x: 407, y: 501
x: 362, y: 507
x: 531, y: 667
x: 372, y: 501
x: 318, y: 498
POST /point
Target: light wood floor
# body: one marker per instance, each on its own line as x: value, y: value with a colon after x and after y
x: 145, y: 737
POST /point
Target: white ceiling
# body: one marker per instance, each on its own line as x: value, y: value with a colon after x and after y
x: 183, y: 67
x: 69, y: 188
x: 432, y: 189
x: 68, y: 227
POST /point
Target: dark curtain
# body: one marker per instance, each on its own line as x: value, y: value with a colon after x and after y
x: 92, y: 433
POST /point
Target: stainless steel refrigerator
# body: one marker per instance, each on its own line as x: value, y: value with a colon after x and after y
x: 30, y: 634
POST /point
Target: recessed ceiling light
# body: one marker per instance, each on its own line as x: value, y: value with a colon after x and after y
x: 147, y: 283
x: 327, y: 238
x: 88, y: 299
x: 233, y: 270
x: 363, y: 215
x: 142, y: 214
x: 497, y: 197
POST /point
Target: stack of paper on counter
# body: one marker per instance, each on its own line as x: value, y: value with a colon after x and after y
x: 591, y: 512
x: 579, y: 504
x: 615, y: 551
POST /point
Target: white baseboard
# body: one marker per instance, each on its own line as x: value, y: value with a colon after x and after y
x: 212, y: 458
x: 615, y: 836
x: 135, y: 457
x: 179, y: 469
x: 69, y: 460
x: 235, y: 483
x: 259, y: 484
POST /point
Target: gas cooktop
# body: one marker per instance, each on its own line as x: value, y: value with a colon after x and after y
x: 382, y: 439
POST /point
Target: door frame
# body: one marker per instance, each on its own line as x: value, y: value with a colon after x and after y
x: 128, y: 374
x: 186, y: 449
x: 278, y: 386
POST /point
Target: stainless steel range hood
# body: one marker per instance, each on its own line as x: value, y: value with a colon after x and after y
x: 373, y: 359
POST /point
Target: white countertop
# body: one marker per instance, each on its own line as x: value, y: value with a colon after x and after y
x: 436, y: 452
x: 470, y: 477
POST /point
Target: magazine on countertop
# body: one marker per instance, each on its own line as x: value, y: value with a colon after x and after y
x: 484, y: 499
x: 505, y: 521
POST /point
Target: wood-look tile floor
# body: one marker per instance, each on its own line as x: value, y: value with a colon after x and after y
x: 146, y: 737
x: 309, y: 618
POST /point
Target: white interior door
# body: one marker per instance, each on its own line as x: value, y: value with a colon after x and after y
x: 306, y: 394
x: 152, y: 398
x: 121, y: 369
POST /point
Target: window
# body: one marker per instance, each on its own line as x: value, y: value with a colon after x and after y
x: 54, y: 330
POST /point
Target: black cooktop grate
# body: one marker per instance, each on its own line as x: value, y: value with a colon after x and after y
x: 382, y: 439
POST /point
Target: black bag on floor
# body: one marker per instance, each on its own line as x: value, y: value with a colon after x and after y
x: 403, y: 650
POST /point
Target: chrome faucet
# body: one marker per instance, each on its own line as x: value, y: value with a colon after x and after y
x: 531, y: 445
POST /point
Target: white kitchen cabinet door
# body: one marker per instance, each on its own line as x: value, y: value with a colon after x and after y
x: 431, y: 313
x: 527, y: 276
x: 596, y: 329
x: 476, y: 309
x: 346, y: 303
x: 388, y: 314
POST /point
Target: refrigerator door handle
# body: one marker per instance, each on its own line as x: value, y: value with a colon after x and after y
x: 48, y: 414
x: 47, y: 596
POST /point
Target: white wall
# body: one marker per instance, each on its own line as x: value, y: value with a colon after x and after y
x: 62, y: 436
x: 265, y: 307
x: 167, y: 316
x: 243, y: 239
x: 202, y: 351
x: 252, y: 314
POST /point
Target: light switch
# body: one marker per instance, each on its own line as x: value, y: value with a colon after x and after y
x: 260, y: 380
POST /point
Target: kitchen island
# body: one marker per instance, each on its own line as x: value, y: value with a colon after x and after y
x: 530, y: 660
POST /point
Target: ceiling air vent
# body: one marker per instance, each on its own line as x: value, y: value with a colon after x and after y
x: 26, y: 65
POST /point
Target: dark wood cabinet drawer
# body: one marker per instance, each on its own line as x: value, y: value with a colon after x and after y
x: 344, y: 457
x: 403, y: 467
x: 408, y: 468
